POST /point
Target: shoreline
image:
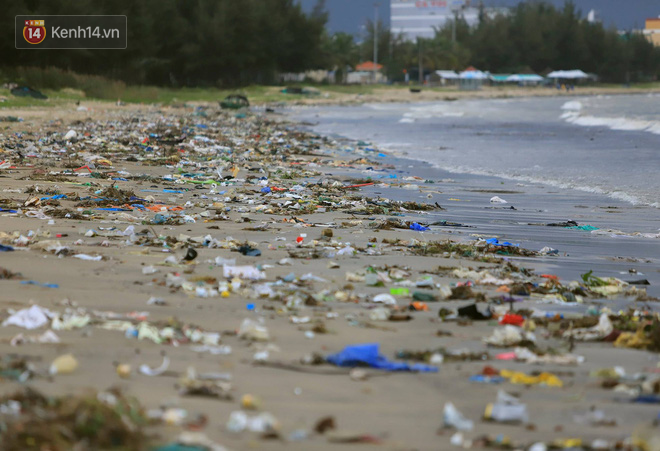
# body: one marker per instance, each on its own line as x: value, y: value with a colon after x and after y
x: 265, y: 96
x: 308, y: 182
x: 403, y: 95
x: 466, y: 198
x: 328, y: 119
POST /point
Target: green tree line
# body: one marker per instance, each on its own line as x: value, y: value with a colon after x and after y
x: 181, y: 42
x: 533, y: 37
x: 238, y: 42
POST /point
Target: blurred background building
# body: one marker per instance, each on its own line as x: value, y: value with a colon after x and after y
x: 420, y: 18
x: 652, y: 30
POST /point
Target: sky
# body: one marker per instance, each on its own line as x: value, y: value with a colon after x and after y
x: 351, y: 15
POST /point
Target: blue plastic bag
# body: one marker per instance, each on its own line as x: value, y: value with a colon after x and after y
x: 487, y: 379
x: 367, y: 355
x: 418, y: 227
x: 496, y: 242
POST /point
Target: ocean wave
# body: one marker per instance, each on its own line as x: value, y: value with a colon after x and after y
x: 634, y: 199
x: 639, y: 199
x: 435, y: 110
x: 572, y: 105
x: 613, y: 123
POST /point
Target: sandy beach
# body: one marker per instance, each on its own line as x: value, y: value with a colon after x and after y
x: 450, y: 94
x: 242, y: 251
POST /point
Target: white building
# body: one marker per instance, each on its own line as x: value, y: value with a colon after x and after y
x: 420, y: 18
x: 593, y: 16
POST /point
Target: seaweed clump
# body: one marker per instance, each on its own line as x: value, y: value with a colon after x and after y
x: 105, y: 420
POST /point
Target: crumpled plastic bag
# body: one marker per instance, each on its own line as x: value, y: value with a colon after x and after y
x: 264, y: 422
x: 609, y: 290
x: 506, y: 409
x: 509, y: 336
x: 253, y: 330
x: 157, y: 371
x: 69, y: 322
x: 47, y: 337
x: 148, y: 332
x: 517, y: 377
x: 598, y: 332
x: 384, y: 298
x: 30, y: 318
x: 91, y: 258
x: 49, y: 246
x: 243, y: 272
x: 348, y: 250
x: 192, y: 441
x: 496, y: 242
x: 367, y: 354
x: 481, y: 277
x: 452, y: 418
x: 528, y: 356
x: 637, y: 340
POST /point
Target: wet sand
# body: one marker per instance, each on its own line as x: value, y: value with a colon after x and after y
x: 452, y: 93
x: 398, y: 411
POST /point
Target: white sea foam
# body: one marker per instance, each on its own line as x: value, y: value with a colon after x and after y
x: 538, y: 178
x: 574, y: 113
x: 395, y: 145
x: 617, y: 113
x: 617, y: 194
x: 613, y: 123
x: 572, y: 105
x: 435, y: 110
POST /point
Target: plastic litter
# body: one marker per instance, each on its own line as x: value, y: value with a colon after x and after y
x: 249, y: 251
x: 148, y: 371
x: 47, y: 337
x: 506, y: 409
x: 509, y: 336
x: 418, y: 227
x: 243, y: 272
x: 452, y: 418
x: 517, y: 377
x: 26, y: 91
x: 253, y: 330
x: 30, y: 318
x: 384, y: 298
x: 240, y: 421
x: 64, y: 364
x: 368, y: 354
x: 598, y: 332
x: 86, y: 257
x: 158, y: 191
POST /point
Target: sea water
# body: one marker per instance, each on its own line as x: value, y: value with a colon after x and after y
x: 590, y: 159
x: 608, y: 145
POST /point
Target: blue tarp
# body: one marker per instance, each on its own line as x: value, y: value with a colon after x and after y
x: 367, y: 355
x: 496, y: 242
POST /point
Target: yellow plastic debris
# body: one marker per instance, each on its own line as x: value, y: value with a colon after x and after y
x: 64, y: 364
x: 517, y: 377
x: 637, y: 340
x: 567, y: 443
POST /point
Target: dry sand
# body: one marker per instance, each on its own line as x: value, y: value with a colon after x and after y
x: 400, y: 411
x: 402, y: 95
